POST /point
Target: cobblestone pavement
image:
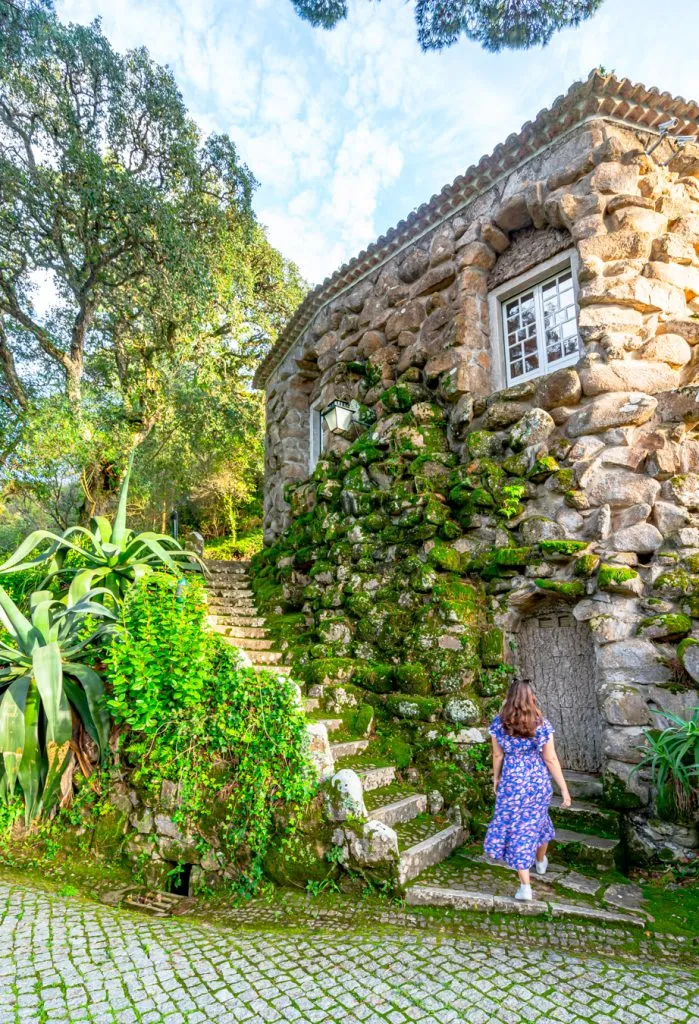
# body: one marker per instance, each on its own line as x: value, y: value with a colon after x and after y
x: 67, y: 960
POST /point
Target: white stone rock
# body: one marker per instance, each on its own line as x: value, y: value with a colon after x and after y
x: 669, y: 517
x: 643, y: 538
x: 570, y: 520
x: 461, y: 711
x: 618, y: 488
x: 585, y: 448
x: 631, y: 516
x: 633, y: 661
x: 344, y: 797
x: 533, y: 428
x: 644, y: 375
x: 687, y: 537
x: 624, y: 705
x: 608, y: 628
x: 378, y: 844
x: 612, y: 410
x: 319, y: 749
x: 670, y: 348
x: 468, y: 736
x: 685, y: 489
x: 624, y: 744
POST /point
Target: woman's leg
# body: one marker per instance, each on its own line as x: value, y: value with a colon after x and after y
x: 524, y: 876
x: 541, y: 851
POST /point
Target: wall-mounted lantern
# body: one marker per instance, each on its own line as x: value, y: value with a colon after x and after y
x: 341, y: 417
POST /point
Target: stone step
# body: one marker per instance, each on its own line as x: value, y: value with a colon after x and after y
x: 586, y: 848
x: 244, y: 632
x: 247, y: 621
x: 331, y: 724
x: 430, y: 851
x: 227, y: 564
x: 311, y: 703
x: 264, y: 657
x: 279, y: 670
x: 349, y: 749
x: 251, y: 644
x: 235, y: 607
x: 583, y: 786
x: 583, y: 816
x: 231, y: 593
x: 400, y: 811
x: 376, y: 777
x: 484, y: 902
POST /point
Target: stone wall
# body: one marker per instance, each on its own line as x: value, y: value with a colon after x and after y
x: 581, y: 487
x: 634, y: 227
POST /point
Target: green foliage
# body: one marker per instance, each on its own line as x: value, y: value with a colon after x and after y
x: 167, y: 291
x: 42, y: 687
x: 243, y: 546
x: 495, y: 24
x: 233, y: 739
x: 113, y: 555
x: 673, y: 759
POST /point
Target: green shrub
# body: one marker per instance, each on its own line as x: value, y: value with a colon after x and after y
x: 673, y: 759
x: 233, y: 739
x: 245, y: 546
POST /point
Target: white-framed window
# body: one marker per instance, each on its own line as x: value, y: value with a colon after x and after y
x: 536, y: 320
x: 315, y: 446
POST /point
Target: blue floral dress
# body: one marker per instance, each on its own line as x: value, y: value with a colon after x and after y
x: 521, y: 821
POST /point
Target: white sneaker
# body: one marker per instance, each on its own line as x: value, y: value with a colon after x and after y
x: 542, y: 866
x: 524, y: 893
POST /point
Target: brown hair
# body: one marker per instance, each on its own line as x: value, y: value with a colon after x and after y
x: 521, y: 714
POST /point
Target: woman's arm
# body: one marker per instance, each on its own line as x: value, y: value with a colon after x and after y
x: 554, y: 766
x: 498, y: 756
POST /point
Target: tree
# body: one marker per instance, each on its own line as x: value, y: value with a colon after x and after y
x: 495, y: 24
x: 131, y: 264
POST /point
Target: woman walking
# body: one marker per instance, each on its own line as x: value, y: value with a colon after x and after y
x: 524, y: 761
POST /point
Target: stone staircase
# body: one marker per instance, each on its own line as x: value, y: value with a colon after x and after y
x: 436, y: 866
x: 424, y: 839
x: 441, y: 866
x: 585, y: 849
x: 233, y: 614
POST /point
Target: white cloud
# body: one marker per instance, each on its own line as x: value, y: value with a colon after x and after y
x: 349, y: 130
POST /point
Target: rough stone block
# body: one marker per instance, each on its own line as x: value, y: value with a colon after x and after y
x: 633, y: 661
x: 612, y: 410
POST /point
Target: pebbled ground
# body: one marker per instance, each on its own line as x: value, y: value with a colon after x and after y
x: 63, y: 959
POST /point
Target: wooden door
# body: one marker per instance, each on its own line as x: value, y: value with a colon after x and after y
x: 555, y: 652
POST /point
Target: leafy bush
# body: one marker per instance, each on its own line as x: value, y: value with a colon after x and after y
x: 673, y: 759
x: 42, y: 688
x: 244, y: 546
x: 111, y: 555
x: 234, y: 740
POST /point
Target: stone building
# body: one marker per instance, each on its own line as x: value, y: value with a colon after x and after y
x: 546, y: 305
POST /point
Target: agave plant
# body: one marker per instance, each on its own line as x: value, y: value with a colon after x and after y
x: 42, y: 687
x: 115, y: 556
x: 672, y: 754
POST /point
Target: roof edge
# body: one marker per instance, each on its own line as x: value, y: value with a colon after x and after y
x: 599, y: 96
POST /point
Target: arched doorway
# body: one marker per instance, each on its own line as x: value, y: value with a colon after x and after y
x: 556, y: 653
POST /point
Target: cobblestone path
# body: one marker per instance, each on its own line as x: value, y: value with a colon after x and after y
x: 67, y: 960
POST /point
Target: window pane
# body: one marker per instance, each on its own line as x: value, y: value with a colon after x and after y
x: 560, y: 318
x: 560, y: 341
x: 520, y: 330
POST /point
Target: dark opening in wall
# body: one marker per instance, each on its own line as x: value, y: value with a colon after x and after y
x: 178, y: 878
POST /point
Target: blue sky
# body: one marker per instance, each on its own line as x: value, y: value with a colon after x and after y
x: 349, y: 130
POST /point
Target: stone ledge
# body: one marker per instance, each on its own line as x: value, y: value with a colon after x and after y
x: 462, y: 899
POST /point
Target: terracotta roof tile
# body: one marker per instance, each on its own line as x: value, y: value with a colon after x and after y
x: 598, y: 95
